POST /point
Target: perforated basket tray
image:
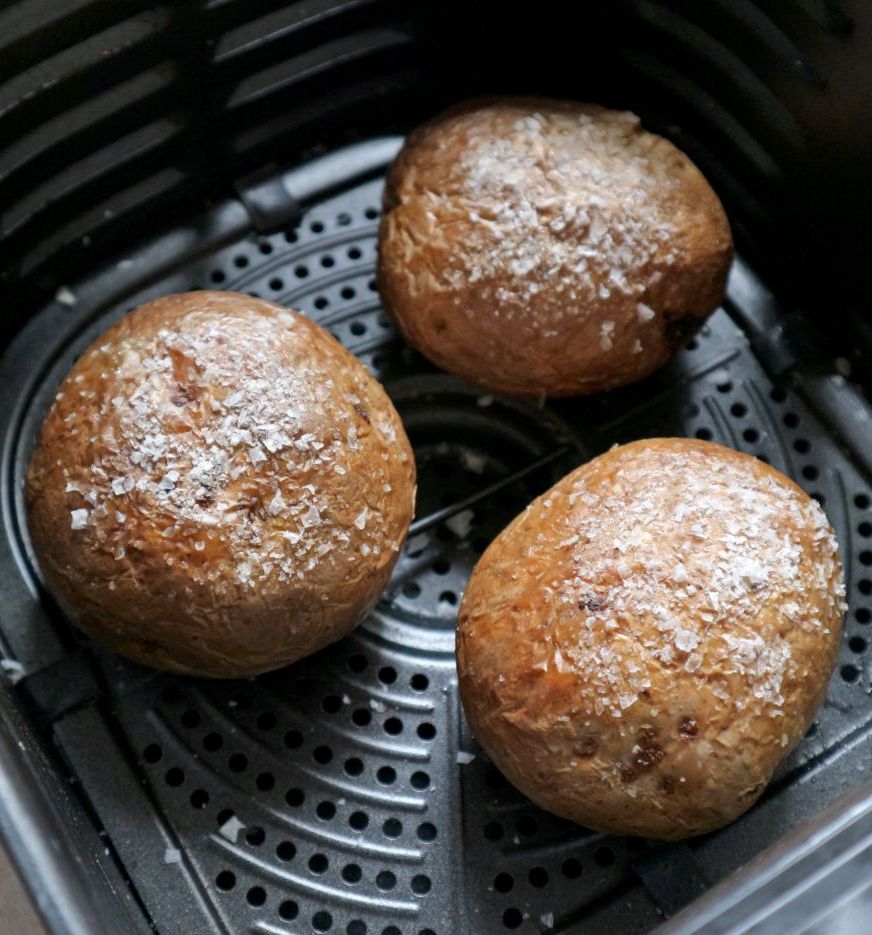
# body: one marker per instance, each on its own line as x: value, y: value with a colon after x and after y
x: 351, y: 797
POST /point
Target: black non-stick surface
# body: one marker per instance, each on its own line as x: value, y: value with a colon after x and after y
x: 351, y: 797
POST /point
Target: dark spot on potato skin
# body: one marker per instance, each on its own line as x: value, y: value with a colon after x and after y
x: 647, y: 752
x: 390, y: 199
x: 586, y: 747
x: 645, y: 759
x: 753, y: 792
x: 440, y: 325
x: 249, y: 507
x: 182, y: 395
x: 362, y: 412
x: 667, y: 784
x: 591, y: 602
x: 688, y: 729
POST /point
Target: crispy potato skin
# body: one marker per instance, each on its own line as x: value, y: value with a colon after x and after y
x: 219, y: 488
x: 643, y: 645
x: 536, y: 246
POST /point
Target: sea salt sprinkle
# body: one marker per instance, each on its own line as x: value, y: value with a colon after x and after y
x: 607, y: 329
x: 647, y: 591
x: 231, y: 828
x: 12, y: 669
x: 65, y: 296
x: 235, y: 446
x: 644, y: 313
x: 567, y: 230
x: 79, y: 519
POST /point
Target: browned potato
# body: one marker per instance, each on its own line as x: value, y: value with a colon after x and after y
x: 219, y: 488
x: 538, y: 246
x: 641, y: 647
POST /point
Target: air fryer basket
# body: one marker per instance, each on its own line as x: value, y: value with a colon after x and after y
x: 225, y: 144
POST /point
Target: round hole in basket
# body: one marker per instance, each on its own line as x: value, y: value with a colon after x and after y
x: 421, y: 884
x: 286, y: 850
x: 503, y: 882
x: 427, y: 831
x: 295, y: 797
x: 256, y: 896
x: 426, y: 730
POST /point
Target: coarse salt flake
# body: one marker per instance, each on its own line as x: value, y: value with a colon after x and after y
x: 417, y: 544
x: 79, y: 519
x: 685, y: 640
x: 461, y: 523
x: 312, y: 516
x: 65, y: 296
x: 644, y: 312
x: 231, y: 828
x: 122, y: 485
x: 12, y: 669
x: 474, y: 462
